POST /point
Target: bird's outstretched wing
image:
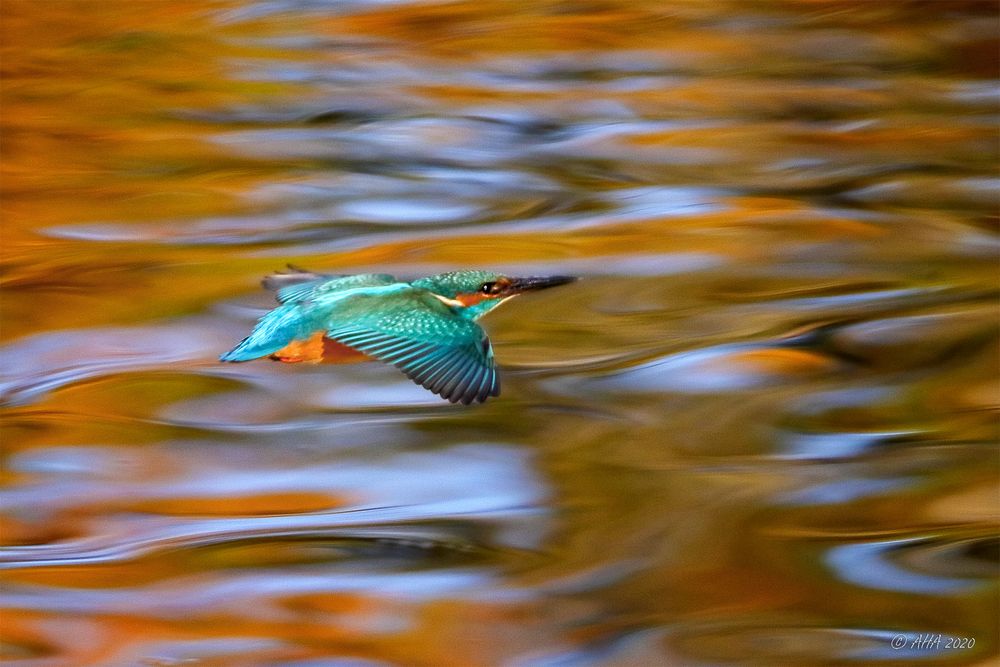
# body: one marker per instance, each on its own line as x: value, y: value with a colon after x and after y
x: 298, y: 284
x: 436, y: 348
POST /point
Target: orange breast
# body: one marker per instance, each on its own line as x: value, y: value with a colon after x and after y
x: 318, y: 349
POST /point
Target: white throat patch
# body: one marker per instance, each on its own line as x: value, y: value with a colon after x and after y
x: 454, y: 303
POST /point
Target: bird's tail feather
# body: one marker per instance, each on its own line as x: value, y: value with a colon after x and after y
x: 273, y: 331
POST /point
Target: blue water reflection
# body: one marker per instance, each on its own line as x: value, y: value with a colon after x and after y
x: 870, y: 565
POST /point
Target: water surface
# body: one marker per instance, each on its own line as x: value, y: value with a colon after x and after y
x: 760, y: 430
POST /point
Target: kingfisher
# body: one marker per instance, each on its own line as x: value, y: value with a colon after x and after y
x: 427, y: 328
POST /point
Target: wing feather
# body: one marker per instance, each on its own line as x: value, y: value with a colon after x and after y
x: 451, y: 380
x: 470, y: 376
x: 304, y: 286
x: 423, y: 337
x: 425, y: 371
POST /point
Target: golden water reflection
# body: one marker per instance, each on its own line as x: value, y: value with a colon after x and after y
x: 760, y: 430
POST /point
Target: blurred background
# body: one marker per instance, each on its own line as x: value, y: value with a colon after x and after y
x: 760, y: 430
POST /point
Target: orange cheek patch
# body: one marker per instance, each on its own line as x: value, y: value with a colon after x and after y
x: 318, y: 349
x: 472, y: 299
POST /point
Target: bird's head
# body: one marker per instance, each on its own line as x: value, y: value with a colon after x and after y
x: 478, y: 292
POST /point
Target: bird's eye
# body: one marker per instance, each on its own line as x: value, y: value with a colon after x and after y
x: 488, y: 288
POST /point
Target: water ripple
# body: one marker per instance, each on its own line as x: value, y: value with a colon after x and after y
x: 873, y: 565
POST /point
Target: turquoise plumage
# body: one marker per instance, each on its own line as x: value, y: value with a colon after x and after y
x: 426, y: 328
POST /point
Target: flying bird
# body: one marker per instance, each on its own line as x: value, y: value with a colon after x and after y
x: 426, y: 328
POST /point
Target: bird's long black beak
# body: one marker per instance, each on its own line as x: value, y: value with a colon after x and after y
x: 518, y: 285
